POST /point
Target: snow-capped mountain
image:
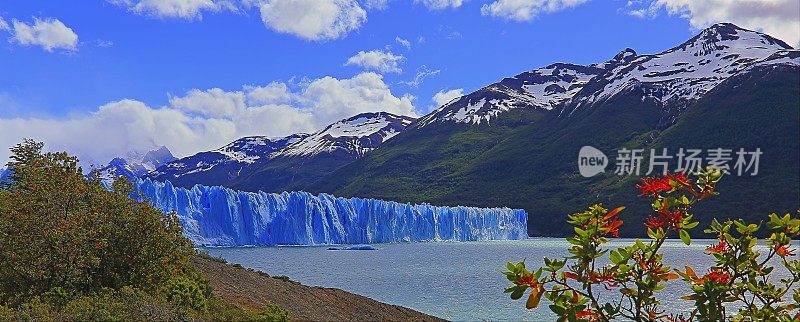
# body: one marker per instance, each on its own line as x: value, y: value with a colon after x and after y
x: 543, y: 88
x: 355, y: 136
x: 682, y: 74
x: 344, y: 140
x: 136, y: 164
x: 232, y: 157
x: 673, y: 78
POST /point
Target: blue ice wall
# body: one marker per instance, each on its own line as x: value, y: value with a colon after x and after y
x: 218, y: 216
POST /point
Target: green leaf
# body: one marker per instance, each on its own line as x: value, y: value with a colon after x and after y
x: 615, y: 257
x: 517, y: 294
x: 691, y: 225
x: 557, y: 309
x: 640, y: 244
x: 685, y: 237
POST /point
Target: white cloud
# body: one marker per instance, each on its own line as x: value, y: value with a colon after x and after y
x: 206, y: 119
x: 376, y: 4
x: 4, y: 24
x: 423, y: 72
x: 49, y: 33
x: 272, y: 93
x: 403, y: 42
x: 313, y: 19
x: 382, y: 61
x: 525, y: 10
x: 444, y: 97
x: 778, y: 18
x: 184, y: 9
x: 332, y: 99
x: 440, y: 4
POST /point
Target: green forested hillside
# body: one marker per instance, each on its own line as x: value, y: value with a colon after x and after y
x: 530, y: 160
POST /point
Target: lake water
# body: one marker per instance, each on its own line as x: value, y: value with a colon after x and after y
x: 451, y: 280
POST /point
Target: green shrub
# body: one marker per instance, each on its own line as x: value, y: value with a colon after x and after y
x: 221, y: 311
x: 6, y: 313
x: 75, y: 251
x: 60, y: 230
x: 189, y: 291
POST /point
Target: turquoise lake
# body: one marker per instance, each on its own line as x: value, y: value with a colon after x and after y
x: 453, y: 280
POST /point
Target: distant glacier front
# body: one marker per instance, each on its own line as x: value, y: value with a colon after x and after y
x: 218, y: 216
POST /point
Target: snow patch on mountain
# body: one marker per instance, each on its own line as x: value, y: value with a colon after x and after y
x: 356, y: 135
x: 136, y: 164
x: 543, y: 88
x: 235, y: 155
x: 686, y: 72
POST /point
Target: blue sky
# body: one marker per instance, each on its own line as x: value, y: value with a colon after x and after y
x: 224, y: 69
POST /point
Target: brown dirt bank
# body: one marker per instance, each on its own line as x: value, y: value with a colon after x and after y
x: 248, y: 288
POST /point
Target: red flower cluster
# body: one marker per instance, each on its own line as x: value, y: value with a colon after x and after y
x: 611, y: 223
x: 784, y: 251
x: 527, y: 279
x: 720, y: 248
x: 665, y: 217
x: 716, y: 276
x: 589, y: 315
x: 606, y: 278
x: 652, y: 186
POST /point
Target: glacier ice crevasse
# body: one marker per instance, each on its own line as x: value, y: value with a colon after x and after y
x: 218, y: 216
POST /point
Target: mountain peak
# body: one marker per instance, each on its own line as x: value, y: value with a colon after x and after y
x: 625, y: 55
x: 726, y: 37
x: 158, y: 156
x: 354, y: 135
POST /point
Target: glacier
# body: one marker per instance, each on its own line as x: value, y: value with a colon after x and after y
x: 219, y: 216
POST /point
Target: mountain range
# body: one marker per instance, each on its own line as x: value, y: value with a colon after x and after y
x: 515, y: 143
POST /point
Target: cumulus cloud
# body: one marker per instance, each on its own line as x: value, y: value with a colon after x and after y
x: 444, y: 97
x: 48, y: 33
x: 184, y: 9
x: 313, y: 19
x: 382, y: 61
x: 206, y: 119
x: 4, y: 24
x: 272, y: 93
x: 526, y: 10
x: 778, y: 18
x: 403, y: 42
x: 440, y: 4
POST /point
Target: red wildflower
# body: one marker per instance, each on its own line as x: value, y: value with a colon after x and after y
x: 665, y: 217
x: 606, y: 278
x: 655, y: 222
x: 717, y: 276
x: 784, y: 251
x: 588, y: 314
x: 652, y: 186
x: 527, y: 279
x: 613, y: 228
x: 720, y: 248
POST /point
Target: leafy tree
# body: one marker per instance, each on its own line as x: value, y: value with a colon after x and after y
x: 637, y: 272
x: 59, y: 229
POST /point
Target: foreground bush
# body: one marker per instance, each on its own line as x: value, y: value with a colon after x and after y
x: 741, y: 275
x: 71, y: 250
x: 60, y: 230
